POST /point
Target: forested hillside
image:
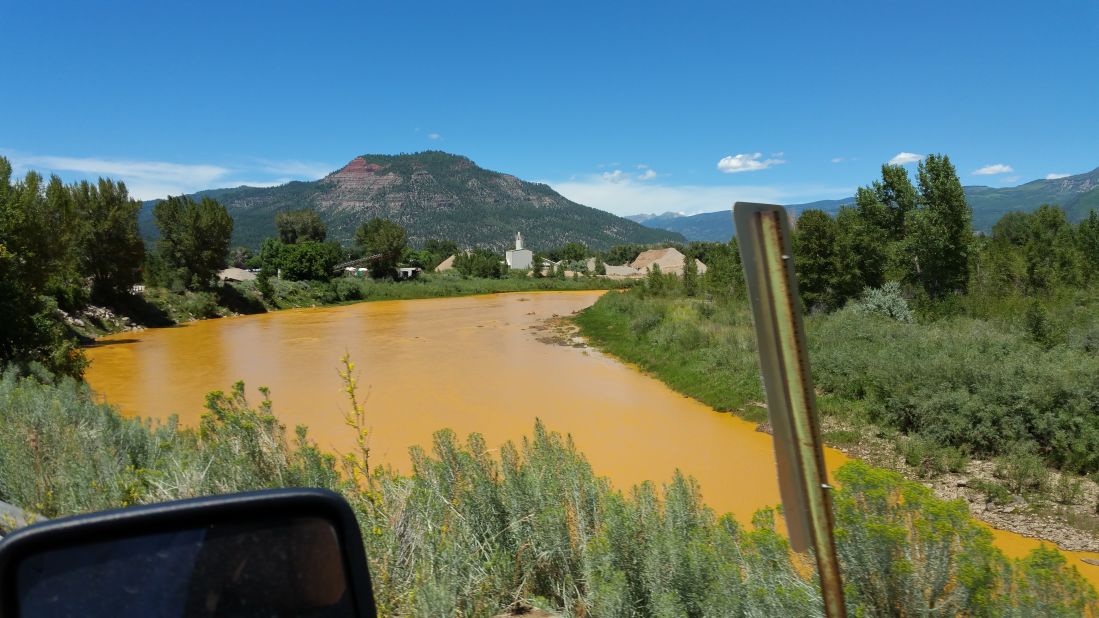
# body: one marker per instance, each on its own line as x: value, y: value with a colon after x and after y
x: 433, y: 195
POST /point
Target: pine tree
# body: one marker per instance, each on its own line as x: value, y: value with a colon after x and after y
x: 690, y: 276
x: 815, y: 259
x: 939, y: 232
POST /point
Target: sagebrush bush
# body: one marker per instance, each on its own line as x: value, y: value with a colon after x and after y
x: 886, y: 301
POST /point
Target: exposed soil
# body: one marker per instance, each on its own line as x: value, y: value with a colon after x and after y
x: 558, y: 330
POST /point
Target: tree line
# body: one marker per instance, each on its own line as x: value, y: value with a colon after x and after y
x: 60, y: 247
x: 918, y: 234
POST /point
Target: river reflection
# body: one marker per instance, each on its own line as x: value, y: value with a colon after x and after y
x: 472, y: 364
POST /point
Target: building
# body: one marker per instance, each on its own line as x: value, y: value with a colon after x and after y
x: 519, y: 258
x: 408, y: 272
x: 445, y: 265
x: 622, y: 272
x: 231, y: 275
x: 669, y: 259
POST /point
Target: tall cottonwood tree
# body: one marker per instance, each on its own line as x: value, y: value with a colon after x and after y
x: 111, y: 249
x: 300, y: 226
x: 939, y: 232
x: 194, y: 238
x: 385, y: 240
x: 815, y: 259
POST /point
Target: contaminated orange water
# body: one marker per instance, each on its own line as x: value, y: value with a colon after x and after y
x: 472, y: 364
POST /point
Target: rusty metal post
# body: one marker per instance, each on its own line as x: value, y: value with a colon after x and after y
x: 763, y: 232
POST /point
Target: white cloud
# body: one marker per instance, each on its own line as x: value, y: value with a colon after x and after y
x: 837, y: 159
x: 746, y: 163
x: 296, y: 170
x: 648, y: 175
x: 995, y: 168
x: 903, y: 158
x: 615, y: 176
x: 155, y: 179
x: 1056, y: 176
x: 626, y: 196
x: 434, y: 136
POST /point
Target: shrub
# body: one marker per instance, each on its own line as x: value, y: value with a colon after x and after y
x: 930, y: 459
x: 1022, y: 470
x: 468, y: 533
x: 885, y: 301
x: 994, y: 492
x: 1068, y: 490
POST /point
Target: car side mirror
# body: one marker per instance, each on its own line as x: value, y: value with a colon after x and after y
x: 284, y: 552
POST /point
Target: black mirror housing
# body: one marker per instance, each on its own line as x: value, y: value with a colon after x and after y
x: 283, y: 552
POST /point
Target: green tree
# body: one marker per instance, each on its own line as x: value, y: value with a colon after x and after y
x: 861, y: 252
x: 574, y: 252
x: 690, y: 276
x: 939, y: 232
x: 300, y: 226
x: 815, y: 259
x: 302, y: 261
x: 384, y: 242
x: 896, y: 193
x: 112, y: 251
x: 31, y: 330
x: 436, y: 251
x: 1050, y: 251
x: 1087, y: 240
x: 194, y: 239
x: 623, y: 254
x: 480, y: 263
x: 600, y: 266
x: 724, y: 275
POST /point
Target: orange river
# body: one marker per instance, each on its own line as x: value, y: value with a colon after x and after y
x: 473, y: 364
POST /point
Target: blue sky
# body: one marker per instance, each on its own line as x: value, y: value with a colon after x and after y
x: 639, y: 107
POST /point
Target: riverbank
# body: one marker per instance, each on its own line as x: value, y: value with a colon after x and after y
x: 707, y: 351
x: 160, y: 307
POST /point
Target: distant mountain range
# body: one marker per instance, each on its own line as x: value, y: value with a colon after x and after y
x: 433, y: 195
x: 717, y: 226
x: 1077, y: 194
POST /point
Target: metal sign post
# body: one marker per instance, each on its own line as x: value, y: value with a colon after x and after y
x: 763, y: 232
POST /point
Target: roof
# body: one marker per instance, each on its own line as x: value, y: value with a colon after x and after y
x: 446, y: 264
x: 665, y: 257
x: 669, y: 259
x: 236, y: 274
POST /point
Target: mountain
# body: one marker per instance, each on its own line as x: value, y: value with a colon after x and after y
x: 717, y: 226
x: 1077, y: 194
x: 433, y: 195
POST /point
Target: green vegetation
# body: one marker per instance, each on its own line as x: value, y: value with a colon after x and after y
x: 60, y: 246
x: 480, y: 263
x: 194, y: 242
x: 288, y: 294
x: 300, y: 226
x: 469, y: 532
x: 306, y: 260
x: 384, y: 242
x: 999, y: 366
